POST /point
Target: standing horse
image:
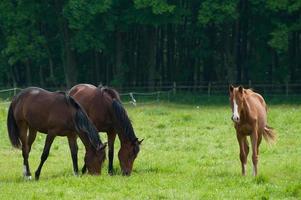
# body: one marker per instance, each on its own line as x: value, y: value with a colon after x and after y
x: 55, y: 114
x: 250, y: 119
x: 104, y: 107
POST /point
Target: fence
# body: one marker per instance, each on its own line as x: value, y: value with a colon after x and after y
x: 218, y: 88
x: 145, y: 94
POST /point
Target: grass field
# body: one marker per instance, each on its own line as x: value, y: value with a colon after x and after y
x: 189, y: 152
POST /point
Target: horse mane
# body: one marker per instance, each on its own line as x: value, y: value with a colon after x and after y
x: 83, y: 123
x: 123, y: 119
x: 110, y: 91
x: 120, y: 113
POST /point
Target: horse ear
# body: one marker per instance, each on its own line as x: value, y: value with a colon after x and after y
x: 139, y: 142
x: 240, y: 89
x: 231, y: 88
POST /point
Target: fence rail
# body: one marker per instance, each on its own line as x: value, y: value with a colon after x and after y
x: 287, y: 89
x: 211, y: 88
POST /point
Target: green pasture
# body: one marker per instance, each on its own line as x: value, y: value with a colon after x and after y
x: 189, y: 152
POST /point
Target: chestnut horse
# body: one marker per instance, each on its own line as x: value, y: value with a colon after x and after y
x: 250, y: 119
x: 104, y: 107
x: 55, y: 114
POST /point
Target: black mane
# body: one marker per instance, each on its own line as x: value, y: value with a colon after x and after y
x: 124, y: 121
x: 84, y: 124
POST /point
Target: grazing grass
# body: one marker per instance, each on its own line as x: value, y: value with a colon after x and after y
x: 189, y: 152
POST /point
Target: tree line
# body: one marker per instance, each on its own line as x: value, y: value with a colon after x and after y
x: 122, y: 42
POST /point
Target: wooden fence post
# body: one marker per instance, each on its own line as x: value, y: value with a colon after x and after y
x: 209, y: 89
x: 174, y: 88
x: 286, y: 88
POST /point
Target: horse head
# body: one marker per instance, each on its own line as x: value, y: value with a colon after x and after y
x: 127, y: 155
x: 94, y: 159
x: 236, y: 102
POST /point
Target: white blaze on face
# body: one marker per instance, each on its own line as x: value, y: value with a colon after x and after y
x: 235, y: 116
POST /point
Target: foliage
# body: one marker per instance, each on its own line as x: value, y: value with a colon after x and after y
x: 149, y: 41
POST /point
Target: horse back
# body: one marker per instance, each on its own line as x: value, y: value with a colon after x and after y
x: 257, y: 108
x: 44, y: 110
x: 96, y: 102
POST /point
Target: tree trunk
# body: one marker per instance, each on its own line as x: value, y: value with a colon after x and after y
x: 69, y: 56
x: 292, y: 57
x: 119, y: 72
x: 28, y: 73
x: 97, y: 68
x: 151, y: 64
x: 41, y: 76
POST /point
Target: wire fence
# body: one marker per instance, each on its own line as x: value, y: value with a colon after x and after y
x: 134, y: 98
x: 218, y: 88
x: 144, y: 94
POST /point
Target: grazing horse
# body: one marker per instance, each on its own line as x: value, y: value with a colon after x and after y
x: 249, y: 114
x: 55, y: 114
x: 104, y: 107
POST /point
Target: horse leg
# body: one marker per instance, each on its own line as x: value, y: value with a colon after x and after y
x: 74, y: 149
x: 111, y: 141
x: 25, y: 150
x: 48, y: 142
x: 247, y: 148
x: 31, y: 138
x: 243, y: 152
x: 254, y: 140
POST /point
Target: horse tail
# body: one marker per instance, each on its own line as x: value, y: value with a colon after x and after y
x: 269, y: 134
x: 83, y: 123
x: 123, y: 119
x: 13, y: 130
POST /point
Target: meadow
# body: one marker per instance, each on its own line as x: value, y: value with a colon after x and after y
x: 189, y: 151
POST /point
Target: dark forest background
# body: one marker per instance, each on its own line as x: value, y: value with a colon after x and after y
x: 121, y: 42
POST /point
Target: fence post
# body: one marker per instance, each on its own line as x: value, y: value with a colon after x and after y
x: 209, y: 89
x: 15, y: 89
x: 168, y: 96
x: 174, y: 88
x: 286, y: 88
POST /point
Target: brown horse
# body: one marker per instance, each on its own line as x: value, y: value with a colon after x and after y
x: 250, y: 119
x: 55, y: 114
x: 104, y: 107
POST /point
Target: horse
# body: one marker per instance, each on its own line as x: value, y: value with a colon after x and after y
x: 55, y: 114
x: 103, y: 106
x: 249, y: 114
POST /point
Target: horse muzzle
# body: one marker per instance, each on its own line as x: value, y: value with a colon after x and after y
x: 126, y: 173
x: 235, y: 118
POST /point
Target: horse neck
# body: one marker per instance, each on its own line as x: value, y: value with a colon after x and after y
x: 125, y: 137
x: 85, y: 140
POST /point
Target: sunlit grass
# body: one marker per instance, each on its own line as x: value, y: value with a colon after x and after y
x: 189, y: 152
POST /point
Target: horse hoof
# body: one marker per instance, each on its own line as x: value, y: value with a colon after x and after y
x: 37, y: 177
